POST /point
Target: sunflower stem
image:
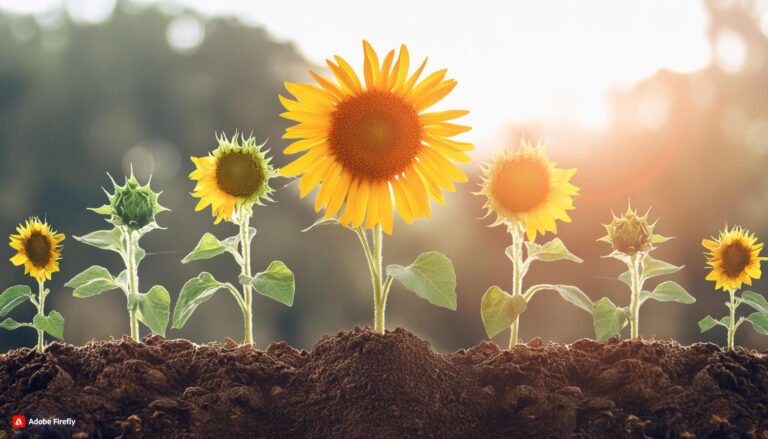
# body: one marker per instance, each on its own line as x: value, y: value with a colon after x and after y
x: 732, y: 323
x: 245, y: 250
x: 133, y: 283
x: 518, y: 263
x: 41, y: 312
x: 634, y: 272
x: 379, y: 294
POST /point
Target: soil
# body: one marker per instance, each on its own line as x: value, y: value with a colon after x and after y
x: 361, y: 384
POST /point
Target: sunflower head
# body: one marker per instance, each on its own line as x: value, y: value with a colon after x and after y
x: 38, y: 248
x: 631, y: 233
x: 734, y: 257
x: 369, y: 142
x: 235, y: 175
x: 131, y: 205
x: 526, y: 190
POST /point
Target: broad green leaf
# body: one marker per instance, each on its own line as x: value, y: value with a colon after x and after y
x: 193, y: 293
x: 575, y: 296
x: 155, y: 308
x: 94, y: 280
x: 626, y: 278
x: 209, y: 247
x: 755, y: 300
x: 53, y: 323
x: 707, y: 323
x: 654, y: 267
x: 13, y: 297
x: 553, y: 250
x: 276, y: 282
x: 499, y: 310
x: 726, y: 321
x: 321, y: 222
x: 150, y: 227
x: 88, y: 275
x: 608, y: 319
x: 10, y: 324
x: 105, y: 240
x: 139, y: 255
x: 431, y: 277
x: 668, y: 291
x: 759, y: 322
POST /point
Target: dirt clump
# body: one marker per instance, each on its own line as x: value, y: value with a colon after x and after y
x: 362, y: 384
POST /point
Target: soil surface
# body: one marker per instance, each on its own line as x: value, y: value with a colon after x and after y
x: 360, y: 384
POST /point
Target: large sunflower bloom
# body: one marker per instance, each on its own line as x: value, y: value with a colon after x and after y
x: 38, y: 248
x: 524, y: 188
x: 365, y: 143
x: 734, y: 257
x: 236, y: 174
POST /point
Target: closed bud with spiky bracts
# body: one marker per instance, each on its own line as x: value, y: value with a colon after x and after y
x: 631, y: 233
x: 132, y: 205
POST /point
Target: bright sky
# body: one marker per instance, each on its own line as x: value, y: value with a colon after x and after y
x: 516, y: 61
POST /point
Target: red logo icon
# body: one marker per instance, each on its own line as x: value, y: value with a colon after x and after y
x: 19, y: 421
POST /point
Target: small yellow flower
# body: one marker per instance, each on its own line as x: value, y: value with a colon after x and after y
x: 38, y: 249
x: 235, y: 174
x: 734, y: 257
x: 523, y: 187
x: 367, y: 143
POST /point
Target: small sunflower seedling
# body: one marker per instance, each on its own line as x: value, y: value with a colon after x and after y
x: 232, y: 179
x: 528, y: 194
x: 632, y: 240
x: 369, y: 143
x: 38, y: 248
x: 131, y: 210
x: 735, y: 260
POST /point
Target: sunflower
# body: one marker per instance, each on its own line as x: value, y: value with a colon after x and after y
x: 734, y: 257
x: 524, y: 188
x: 236, y: 174
x: 367, y: 143
x: 38, y: 248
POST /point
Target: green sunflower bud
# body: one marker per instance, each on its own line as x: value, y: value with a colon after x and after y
x: 132, y: 205
x: 631, y: 233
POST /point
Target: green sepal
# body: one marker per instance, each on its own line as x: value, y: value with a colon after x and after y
x: 608, y: 319
x: 431, y: 276
x: 13, y: 297
x: 499, y: 309
x: 53, y: 324
x: 155, y: 309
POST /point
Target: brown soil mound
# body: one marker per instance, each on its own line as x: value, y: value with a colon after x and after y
x: 361, y: 384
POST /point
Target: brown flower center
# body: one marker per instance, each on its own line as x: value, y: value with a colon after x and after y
x: 238, y: 174
x: 736, y: 257
x: 521, y: 184
x: 375, y: 135
x: 38, y: 249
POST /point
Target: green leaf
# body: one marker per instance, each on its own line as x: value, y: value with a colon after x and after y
x: 755, y: 300
x: 626, y: 278
x: 608, y: 319
x: 155, y: 309
x: 553, y: 250
x: 276, y: 283
x: 105, y: 240
x: 53, y: 323
x: 321, y: 222
x: 13, y: 297
x: 726, y: 321
x: 210, y: 246
x: 575, y: 296
x: 94, y: 280
x: 499, y: 310
x: 10, y: 324
x: 431, y: 277
x: 707, y: 323
x: 759, y: 322
x: 654, y: 267
x: 103, y: 210
x: 193, y: 293
x: 668, y: 291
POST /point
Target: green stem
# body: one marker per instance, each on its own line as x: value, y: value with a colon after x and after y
x: 133, y: 284
x: 732, y: 323
x: 518, y: 237
x: 634, y: 273
x: 41, y: 312
x: 245, y: 249
x: 373, y: 255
